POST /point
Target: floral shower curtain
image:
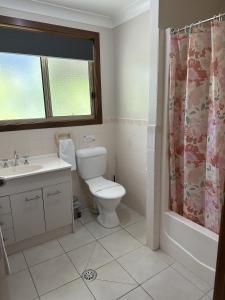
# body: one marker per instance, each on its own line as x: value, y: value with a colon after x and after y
x: 197, y: 124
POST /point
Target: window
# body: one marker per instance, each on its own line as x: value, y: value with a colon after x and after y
x: 38, y: 91
x: 20, y: 81
x: 70, y: 87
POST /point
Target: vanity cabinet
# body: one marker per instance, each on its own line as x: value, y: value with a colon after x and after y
x: 6, y: 221
x: 5, y: 205
x: 28, y: 214
x: 57, y: 205
x: 36, y: 208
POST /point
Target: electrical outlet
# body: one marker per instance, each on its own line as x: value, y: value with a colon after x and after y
x: 89, y: 138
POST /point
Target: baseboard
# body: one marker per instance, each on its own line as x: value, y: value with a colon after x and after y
x: 40, y: 239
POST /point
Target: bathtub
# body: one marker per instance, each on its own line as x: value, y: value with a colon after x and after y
x: 190, y: 244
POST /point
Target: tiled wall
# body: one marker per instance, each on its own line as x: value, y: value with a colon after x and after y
x: 131, y: 161
x: 42, y: 141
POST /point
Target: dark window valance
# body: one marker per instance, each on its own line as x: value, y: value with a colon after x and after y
x: 45, y: 44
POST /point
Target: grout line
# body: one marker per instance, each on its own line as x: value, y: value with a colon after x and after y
x: 139, y: 286
x: 98, y: 238
x: 151, y: 277
x: 40, y: 295
x: 148, y: 293
x: 54, y: 289
x: 81, y: 276
x: 128, y: 292
x: 84, y: 281
x: 120, y: 264
x: 90, y: 257
x: 180, y: 273
x: 112, y: 281
x: 35, y: 287
x: 46, y: 260
x: 133, y: 223
x: 77, y: 247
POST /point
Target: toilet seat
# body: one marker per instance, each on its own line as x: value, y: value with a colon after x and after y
x: 107, y: 189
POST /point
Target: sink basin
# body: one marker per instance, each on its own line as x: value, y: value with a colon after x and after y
x: 19, y: 170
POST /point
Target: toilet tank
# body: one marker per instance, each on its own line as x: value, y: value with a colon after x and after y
x: 91, y: 162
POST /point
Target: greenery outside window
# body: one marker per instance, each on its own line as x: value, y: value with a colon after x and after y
x: 42, y: 91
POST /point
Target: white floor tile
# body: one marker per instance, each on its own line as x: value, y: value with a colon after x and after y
x: 98, y: 231
x: 205, y: 298
x: 43, y: 252
x: 53, y: 274
x: 17, y: 262
x: 119, y: 243
x: 87, y: 216
x: 128, y: 216
x: 75, y: 290
x: 165, y: 257
x: 137, y: 294
x: 138, y: 230
x: 112, y: 282
x: 19, y: 286
x: 77, y: 239
x: 210, y: 294
x: 91, y: 256
x: 202, y: 285
x: 142, y: 264
x: 170, y: 285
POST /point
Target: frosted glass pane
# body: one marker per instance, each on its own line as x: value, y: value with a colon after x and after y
x: 69, y: 86
x: 21, y: 92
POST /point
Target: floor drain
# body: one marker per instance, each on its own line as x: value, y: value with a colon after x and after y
x: 89, y: 275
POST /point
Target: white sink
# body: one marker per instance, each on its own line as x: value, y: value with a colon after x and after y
x: 37, y: 165
x: 19, y: 170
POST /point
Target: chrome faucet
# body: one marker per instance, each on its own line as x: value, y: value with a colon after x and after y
x: 16, y: 158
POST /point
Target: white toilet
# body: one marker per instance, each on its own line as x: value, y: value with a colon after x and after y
x: 107, y: 194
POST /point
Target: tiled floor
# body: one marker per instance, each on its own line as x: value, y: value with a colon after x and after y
x: 126, y: 268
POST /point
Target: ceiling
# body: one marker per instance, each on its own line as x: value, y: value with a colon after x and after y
x: 106, y: 13
x: 102, y: 7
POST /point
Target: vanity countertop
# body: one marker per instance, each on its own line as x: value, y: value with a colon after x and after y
x: 37, y: 165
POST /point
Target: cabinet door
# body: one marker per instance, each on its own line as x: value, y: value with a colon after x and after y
x: 5, y: 205
x: 58, y: 205
x: 28, y: 214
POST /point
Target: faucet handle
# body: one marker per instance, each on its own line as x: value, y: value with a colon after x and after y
x: 25, y: 157
x: 16, y: 155
x: 5, y: 163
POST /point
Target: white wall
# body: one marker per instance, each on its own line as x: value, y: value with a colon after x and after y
x: 132, y: 68
x: 132, y: 96
x: 34, y: 142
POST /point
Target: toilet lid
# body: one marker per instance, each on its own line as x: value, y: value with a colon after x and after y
x: 103, y: 188
x: 111, y: 193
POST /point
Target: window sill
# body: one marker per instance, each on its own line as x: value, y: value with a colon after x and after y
x: 49, y: 123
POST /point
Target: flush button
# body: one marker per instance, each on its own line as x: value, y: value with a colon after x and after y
x: 88, y: 138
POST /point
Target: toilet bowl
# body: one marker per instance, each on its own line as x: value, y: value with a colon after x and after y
x: 107, y: 194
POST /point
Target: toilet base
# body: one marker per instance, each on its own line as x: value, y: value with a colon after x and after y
x: 108, y: 220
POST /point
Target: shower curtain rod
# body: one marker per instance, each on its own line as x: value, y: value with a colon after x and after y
x: 220, y: 16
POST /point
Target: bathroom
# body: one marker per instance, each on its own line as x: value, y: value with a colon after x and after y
x: 84, y: 248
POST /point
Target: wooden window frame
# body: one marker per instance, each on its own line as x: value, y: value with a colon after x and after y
x: 95, y: 86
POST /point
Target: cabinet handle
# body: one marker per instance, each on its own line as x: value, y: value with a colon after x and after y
x: 53, y: 193
x: 32, y: 199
